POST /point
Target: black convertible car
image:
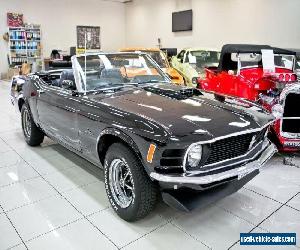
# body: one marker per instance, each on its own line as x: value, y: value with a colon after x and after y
x: 121, y: 112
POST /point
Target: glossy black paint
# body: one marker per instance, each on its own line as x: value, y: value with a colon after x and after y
x: 167, y: 115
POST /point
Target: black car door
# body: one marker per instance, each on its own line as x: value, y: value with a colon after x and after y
x: 58, y: 114
x: 91, y: 121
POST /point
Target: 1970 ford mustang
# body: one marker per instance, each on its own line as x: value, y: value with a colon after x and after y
x: 121, y: 112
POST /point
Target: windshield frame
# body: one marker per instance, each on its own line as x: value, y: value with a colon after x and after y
x: 162, y: 55
x: 80, y: 76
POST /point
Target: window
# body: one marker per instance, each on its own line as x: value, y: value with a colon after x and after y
x: 181, y: 55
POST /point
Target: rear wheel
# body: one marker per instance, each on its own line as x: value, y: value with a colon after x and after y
x: 130, y: 191
x: 33, y: 135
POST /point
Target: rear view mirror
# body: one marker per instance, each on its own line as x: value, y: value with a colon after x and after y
x: 68, y: 84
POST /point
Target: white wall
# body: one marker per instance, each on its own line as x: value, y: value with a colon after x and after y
x: 215, y: 22
x: 141, y: 22
x: 59, y: 18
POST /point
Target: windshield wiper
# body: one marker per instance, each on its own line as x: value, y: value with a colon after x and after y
x: 152, y: 81
x: 112, y: 87
x: 105, y: 89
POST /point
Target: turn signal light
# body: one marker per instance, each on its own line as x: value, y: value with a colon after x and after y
x: 150, y: 154
x: 287, y: 77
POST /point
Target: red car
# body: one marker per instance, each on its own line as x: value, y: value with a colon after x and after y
x: 263, y: 74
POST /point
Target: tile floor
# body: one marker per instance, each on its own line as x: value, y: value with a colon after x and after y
x: 52, y: 199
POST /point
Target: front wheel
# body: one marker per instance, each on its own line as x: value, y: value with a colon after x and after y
x: 33, y: 135
x: 129, y: 189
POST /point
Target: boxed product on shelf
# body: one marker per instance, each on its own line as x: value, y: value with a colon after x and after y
x: 12, y: 72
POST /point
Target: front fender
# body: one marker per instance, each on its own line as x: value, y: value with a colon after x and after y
x: 190, y: 73
x: 123, y: 136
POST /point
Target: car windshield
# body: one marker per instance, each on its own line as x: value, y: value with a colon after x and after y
x: 248, y: 60
x: 253, y: 60
x: 199, y: 59
x: 297, y: 63
x: 102, y: 71
x: 284, y: 61
x: 159, y: 58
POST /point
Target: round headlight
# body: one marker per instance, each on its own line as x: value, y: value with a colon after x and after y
x: 194, y: 156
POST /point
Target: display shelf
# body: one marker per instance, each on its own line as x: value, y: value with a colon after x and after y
x: 24, y: 44
x: 17, y: 39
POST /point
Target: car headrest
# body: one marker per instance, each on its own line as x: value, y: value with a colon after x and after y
x: 67, y: 74
x: 111, y: 73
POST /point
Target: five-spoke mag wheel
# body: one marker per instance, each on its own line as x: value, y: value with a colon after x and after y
x: 33, y: 135
x: 121, y: 183
x: 130, y: 191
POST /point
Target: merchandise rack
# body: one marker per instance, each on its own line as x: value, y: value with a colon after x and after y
x: 24, y: 45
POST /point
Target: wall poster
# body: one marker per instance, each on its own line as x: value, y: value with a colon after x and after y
x: 14, y: 20
x: 92, y: 35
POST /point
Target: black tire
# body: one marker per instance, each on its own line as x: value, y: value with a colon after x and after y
x: 33, y: 135
x: 145, y: 192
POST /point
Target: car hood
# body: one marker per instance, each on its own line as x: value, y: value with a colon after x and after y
x: 184, y: 112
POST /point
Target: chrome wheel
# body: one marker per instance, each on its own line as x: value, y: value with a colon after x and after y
x: 121, y: 183
x: 26, y: 122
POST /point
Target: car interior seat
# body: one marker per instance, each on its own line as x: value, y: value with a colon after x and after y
x: 67, y: 74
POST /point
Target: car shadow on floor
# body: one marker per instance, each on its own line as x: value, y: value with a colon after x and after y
x: 79, y: 161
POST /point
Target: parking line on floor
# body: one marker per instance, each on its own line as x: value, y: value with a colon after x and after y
x: 14, y: 229
x: 193, y: 237
x: 59, y: 193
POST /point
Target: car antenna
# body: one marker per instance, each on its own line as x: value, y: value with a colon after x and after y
x: 85, y: 42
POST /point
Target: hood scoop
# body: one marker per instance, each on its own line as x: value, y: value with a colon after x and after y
x: 175, y: 92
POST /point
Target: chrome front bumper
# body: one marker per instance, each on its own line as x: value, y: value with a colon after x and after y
x: 239, y: 172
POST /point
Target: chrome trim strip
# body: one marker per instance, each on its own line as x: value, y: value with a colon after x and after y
x: 290, y: 136
x: 248, y: 131
x: 290, y: 118
x: 202, y: 180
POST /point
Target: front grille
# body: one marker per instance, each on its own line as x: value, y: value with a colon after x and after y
x: 291, y: 109
x: 229, y: 148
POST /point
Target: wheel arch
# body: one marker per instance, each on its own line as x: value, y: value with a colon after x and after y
x: 109, y: 136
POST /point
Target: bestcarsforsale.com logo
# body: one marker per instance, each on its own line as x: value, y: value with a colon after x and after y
x: 267, y: 238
